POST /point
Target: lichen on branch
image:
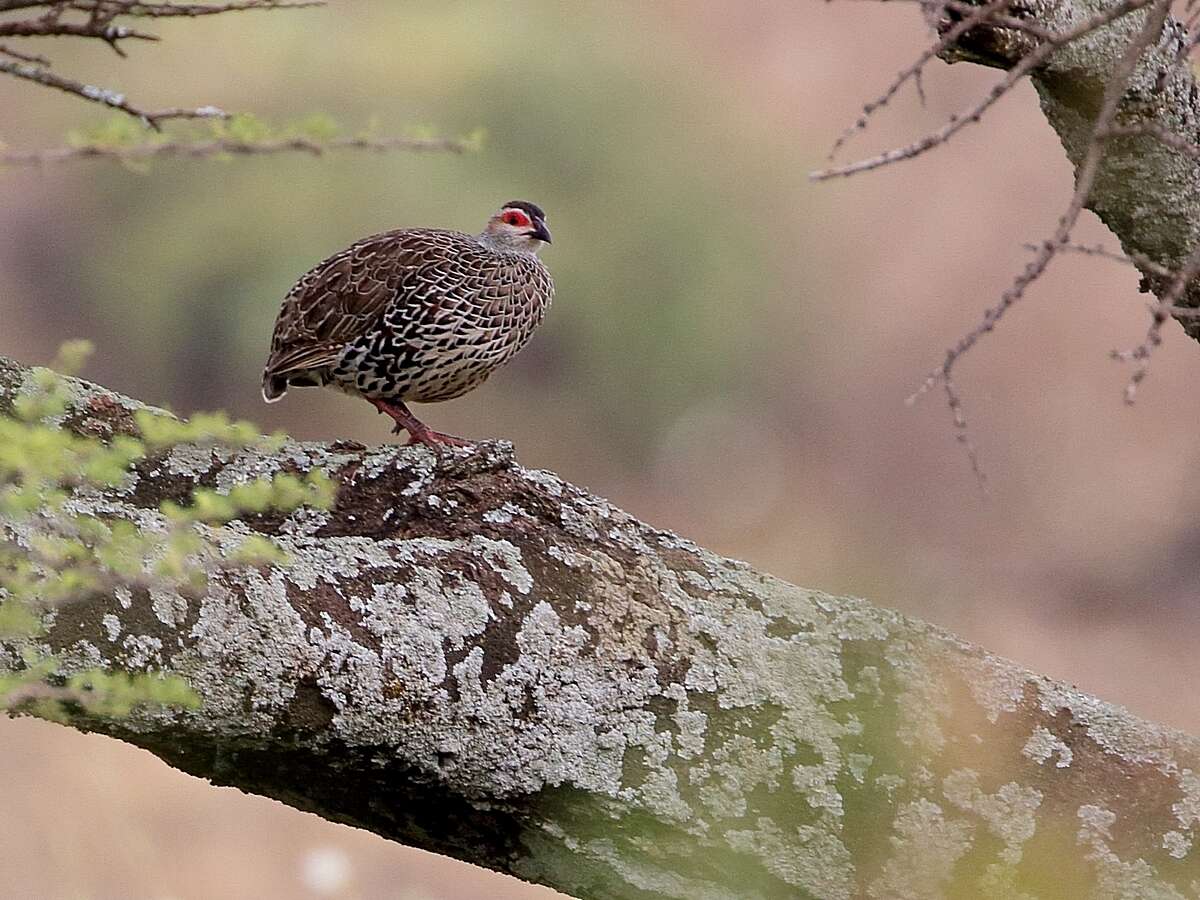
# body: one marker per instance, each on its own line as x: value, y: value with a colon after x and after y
x: 57, y: 547
x: 482, y: 660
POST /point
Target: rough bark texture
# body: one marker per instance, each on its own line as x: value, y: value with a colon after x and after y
x: 1147, y: 193
x: 484, y: 661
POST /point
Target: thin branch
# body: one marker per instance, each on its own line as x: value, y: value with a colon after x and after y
x: 192, y: 10
x: 25, y: 57
x: 1138, y: 260
x: 1000, y: 20
x: 962, y: 432
x: 913, y: 72
x: 1159, y: 133
x: 159, y: 10
x: 229, y: 146
x: 45, y: 27
x: 1160, y: 312
x: 106, y: 97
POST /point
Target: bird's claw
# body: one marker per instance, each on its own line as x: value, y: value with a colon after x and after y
x: 437, y: 439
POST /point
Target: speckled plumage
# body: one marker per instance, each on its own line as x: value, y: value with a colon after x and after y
x: 412, y: 315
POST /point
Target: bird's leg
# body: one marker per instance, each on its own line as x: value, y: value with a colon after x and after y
x: 418, y: 431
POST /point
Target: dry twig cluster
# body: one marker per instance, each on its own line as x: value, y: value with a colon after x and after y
x: 101, y: 20
x: 957, y: 23
x: 115, y: 22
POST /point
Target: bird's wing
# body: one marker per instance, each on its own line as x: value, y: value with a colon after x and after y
x: 348, y: 293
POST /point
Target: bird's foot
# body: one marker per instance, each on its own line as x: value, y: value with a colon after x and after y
x: 430, y: 438
x: 418, y: 431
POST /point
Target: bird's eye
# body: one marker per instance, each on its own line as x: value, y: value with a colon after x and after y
x: 516, y: 218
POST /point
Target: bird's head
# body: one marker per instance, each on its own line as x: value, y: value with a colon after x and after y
x: 518, y: 225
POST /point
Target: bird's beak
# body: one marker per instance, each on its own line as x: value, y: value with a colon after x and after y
x: 542, y: 233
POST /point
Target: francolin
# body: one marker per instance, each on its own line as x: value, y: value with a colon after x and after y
x: 414, y: 315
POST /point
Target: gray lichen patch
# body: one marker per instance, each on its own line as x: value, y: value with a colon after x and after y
x: 1187, y: 809
x: 1117, y: 877
x: 1010, y: 813
x: 1177, y: 844
x: 140, y: 652
x: 547, y: 481
x: 251, y: 629
x: 809, y: 858
x: 1043, y: 744
x: 170, y: 607
x: 996, y: 684
x: 112, y: 626
x: 190, y: 460
x: 1111, y: 727
x: 926, y: 847
x: 505, y: 513
x: 505, y: 559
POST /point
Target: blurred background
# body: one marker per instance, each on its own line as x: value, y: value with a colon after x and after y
x: 728, y: 356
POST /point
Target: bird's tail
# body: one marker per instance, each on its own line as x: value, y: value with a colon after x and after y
x: 273, y: 386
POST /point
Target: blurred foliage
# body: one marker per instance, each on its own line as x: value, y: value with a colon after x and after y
x: 55, y: 550
x: 318, y: 130
x: 122, y: 131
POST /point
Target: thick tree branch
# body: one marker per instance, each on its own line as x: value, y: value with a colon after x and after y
x: 484, y: 661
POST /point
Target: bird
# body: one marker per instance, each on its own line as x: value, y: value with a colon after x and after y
x: 414, y: 315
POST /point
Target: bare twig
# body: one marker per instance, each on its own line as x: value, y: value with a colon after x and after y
x: 105, y: 97
x: 1002, y: 20
x: 155, y: 10
x: 224, y: 146
x: 1160, y: 312
x: 1139, y: 260
x: 44, y: 27
x: 24, y: 57
x: 913, y: 72
x: 192, y: 10
x: 97, y: 19
x: 1113, y: 91
x: 1159, y: 133
x: 962, y: 433
x: 1083, y: 185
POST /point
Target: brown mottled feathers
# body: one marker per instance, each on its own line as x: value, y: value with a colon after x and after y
x: 416, y: 314
x: 340, y: 298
